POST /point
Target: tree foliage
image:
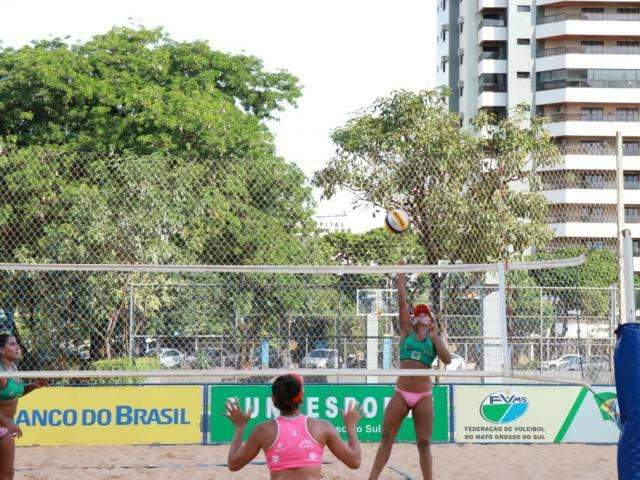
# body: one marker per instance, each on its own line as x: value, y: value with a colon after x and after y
x: 134, y: 148
x: 139, y: 91
x: 408, y: 151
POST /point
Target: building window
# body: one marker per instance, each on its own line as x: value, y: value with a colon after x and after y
x: 444, y: 66
x: 588, y: 78
x: 461, y: 25
x: 591, y: 214
x: 524, y: 8
x: 594, y: 181
x: 444, y: 35
x: 524, y: 41
x: 631, y: 147
x: 444, y: 5
x: 632, y: 181
x: 524, y: 74
x: 629, y: 47
x: 636, y: 247
x: 632, y: 214
x: 461, y: 90
x: 592, y: 46
x: 492, y: 82
x: 592, y: 114
x: 627, y: 114
x: 461, y: 58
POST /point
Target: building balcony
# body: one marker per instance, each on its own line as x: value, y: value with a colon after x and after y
x: 492, y: 55
x: 586, y: 91
x: 591, y: 24
x: 582, y: 61
x: 588, y: 50
x: 591, y: 229
x: 492, y: 30
x: 482, y: 4
x: 577, y: 218
x: 569, y: 125
x: 492, y: 97
x: 492, y: 87
x: 579, y: 157
x: 573, y: 57
x: 591, y: 196
x: 492, y: 66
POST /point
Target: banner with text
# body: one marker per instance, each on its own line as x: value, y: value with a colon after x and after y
x: 324, y: 402
x: 111, y: 415
x: 535, y: 414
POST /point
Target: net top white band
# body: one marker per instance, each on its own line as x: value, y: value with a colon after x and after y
x: 273, y: 372
x: 291, y: 269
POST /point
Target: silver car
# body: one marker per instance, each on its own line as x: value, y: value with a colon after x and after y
x: 170, y: 357
x: 321, y: 358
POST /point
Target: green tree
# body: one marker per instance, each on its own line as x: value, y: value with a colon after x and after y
x: 139, y: 91
x: 134, y: 148
x: 407, y: 150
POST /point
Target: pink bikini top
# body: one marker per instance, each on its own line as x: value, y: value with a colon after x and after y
x: 294, y: 446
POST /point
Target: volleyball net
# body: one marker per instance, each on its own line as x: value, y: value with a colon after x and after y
x: 149, y: 323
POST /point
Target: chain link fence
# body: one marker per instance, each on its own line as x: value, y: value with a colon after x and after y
x: 61, y: 207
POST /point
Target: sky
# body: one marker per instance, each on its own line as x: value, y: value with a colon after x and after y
x: 346, y: 53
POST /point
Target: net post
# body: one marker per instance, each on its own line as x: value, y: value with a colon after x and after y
x: 627, y: 274
x: 620, y: 226
x: 502, y: 312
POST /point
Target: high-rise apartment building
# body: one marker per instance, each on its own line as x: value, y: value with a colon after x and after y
x: 575, y: 62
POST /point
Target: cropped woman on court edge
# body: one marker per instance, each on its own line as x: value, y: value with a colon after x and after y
x: 420, y: 343
x: 10, y: 390
x: 293, y: 443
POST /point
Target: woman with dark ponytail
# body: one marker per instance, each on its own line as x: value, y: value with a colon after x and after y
x: 293, y: 443
x: 10, y: 390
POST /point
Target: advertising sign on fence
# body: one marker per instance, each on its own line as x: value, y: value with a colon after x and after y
x: 111, y: 415
x: 324, y: 402
x: 534, y: 414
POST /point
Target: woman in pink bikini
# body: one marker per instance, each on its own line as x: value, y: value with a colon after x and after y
x: 293, y: 443
x: 420, y: 344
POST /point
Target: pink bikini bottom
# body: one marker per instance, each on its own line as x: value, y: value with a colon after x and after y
x: 412, y: 398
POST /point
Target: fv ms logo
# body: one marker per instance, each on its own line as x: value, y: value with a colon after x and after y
x: 504, y: 406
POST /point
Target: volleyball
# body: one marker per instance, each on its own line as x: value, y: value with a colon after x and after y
x: 396, y: 221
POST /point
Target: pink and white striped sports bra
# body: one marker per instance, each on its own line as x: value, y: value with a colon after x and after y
x: 294, y: 446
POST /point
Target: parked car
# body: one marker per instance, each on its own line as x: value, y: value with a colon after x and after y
x: 457, y: 363
x: 594, y: 362
x: 560, y: 363
x: 322, y: 358
x: 170, y: 357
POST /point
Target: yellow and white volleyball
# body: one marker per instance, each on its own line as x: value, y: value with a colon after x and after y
x: 397, y: 221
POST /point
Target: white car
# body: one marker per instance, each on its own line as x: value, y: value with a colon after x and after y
x: 170, y: 357
x: 457, y: 363
x: 595, y: 362
x: 321, y: 358
x: 561, y: 362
